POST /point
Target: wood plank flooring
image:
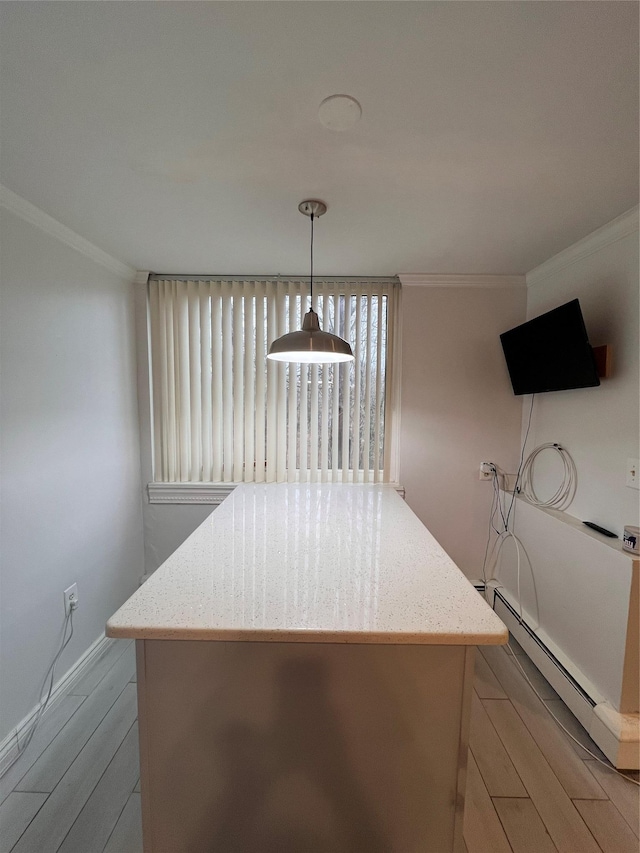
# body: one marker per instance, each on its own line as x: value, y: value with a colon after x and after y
x: 530, y: 789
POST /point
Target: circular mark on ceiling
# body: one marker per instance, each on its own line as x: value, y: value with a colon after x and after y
x: 339, y: 112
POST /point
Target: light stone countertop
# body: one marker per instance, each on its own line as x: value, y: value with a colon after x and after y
x: 320, y: 563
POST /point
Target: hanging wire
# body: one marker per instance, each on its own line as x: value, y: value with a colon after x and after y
x: 43, y: 701
x: 562, y: 498
x: 311, y: 276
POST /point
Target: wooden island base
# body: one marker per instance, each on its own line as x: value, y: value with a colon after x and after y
x: 305, y: 663
x: 270, y: 747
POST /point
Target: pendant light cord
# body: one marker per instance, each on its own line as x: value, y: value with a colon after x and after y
x: 311, y: 277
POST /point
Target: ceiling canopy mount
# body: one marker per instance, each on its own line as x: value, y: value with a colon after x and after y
x: 312, y: 207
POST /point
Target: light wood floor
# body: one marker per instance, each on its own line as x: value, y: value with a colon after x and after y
x: 530, y: 789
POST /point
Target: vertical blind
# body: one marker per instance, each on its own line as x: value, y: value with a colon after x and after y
x: 224, y: 413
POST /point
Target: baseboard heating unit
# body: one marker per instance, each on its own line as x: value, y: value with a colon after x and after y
x: 617, y: 735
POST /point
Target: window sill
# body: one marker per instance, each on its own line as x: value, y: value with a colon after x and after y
x: 201, y: 493
x: 189, y: 493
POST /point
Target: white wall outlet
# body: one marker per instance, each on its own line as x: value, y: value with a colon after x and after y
x: 486, y: 470
x: 633, y: 473
x: 70, y: 598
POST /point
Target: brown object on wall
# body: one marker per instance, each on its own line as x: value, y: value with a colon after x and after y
x: 603, y: 360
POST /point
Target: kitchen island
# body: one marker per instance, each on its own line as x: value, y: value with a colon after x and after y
x: 305, y: 664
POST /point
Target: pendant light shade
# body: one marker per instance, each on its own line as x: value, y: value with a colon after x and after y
x: 310, y: 345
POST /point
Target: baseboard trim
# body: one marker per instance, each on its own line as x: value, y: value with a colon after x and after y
x: 64, y: 685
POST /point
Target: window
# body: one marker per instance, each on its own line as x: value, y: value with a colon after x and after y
x: 224, y: 413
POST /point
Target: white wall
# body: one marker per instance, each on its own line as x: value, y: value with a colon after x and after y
x: 598, y: 426
x: 71, y: 495
x: 458, y: 409
x: 166, y: 526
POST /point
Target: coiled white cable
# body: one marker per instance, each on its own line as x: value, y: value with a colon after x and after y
x: 565, y: 492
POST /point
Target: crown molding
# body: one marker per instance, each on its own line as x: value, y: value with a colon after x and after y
x: 620, y: 227
x: 30, y: 213
x: 487, y: 281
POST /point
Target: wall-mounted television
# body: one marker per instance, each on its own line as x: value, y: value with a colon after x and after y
x: 550, y: 352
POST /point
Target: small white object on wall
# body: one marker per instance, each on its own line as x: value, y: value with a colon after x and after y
x: 631, y: 539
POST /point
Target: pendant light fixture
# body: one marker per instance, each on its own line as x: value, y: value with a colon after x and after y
x: 310, y: 345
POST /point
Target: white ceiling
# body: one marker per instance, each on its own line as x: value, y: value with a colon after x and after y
x: 181, y: 136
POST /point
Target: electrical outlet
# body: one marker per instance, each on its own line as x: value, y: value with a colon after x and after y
x: 633, y: 473
x: 70, y: 599
x: 486, y: 471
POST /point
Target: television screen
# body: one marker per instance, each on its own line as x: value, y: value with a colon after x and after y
x: 550, y: 353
